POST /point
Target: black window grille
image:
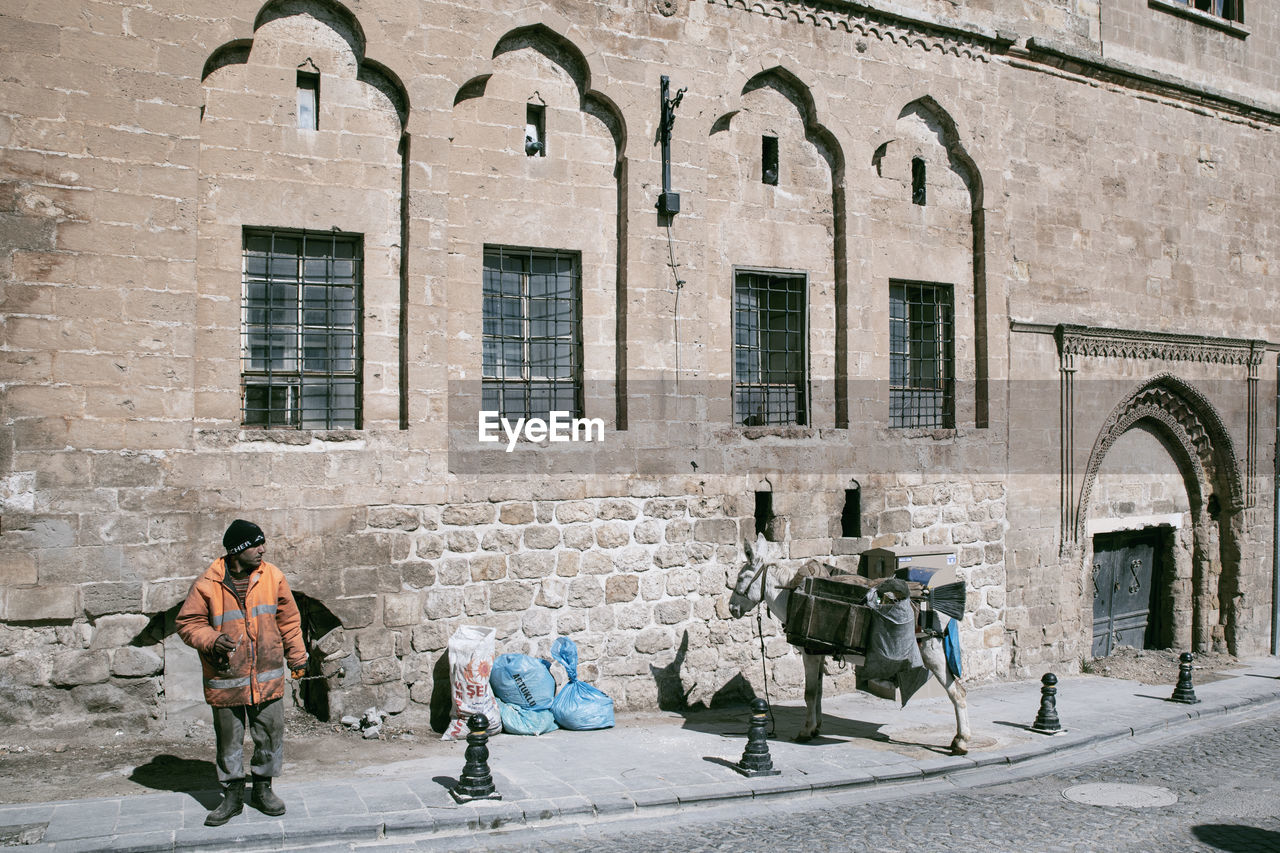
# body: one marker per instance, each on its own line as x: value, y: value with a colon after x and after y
x: 770, y: 360
x: 532, y: 349
x: 921, y: 356
x: 300, y: 341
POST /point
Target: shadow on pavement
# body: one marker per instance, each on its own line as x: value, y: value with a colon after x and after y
x: 184, y: 775
x: 1236, y: 838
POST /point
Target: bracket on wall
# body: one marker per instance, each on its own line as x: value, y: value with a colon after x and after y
x: 668, y: 202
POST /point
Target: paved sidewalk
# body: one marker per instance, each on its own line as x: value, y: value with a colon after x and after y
x: 652, y: 762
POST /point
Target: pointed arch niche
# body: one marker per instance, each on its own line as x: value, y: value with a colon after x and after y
x: 264, y: 167
x: 775, y: 202
x: 1199, y: 480
x: 930, y: 227
x: 536, y: 161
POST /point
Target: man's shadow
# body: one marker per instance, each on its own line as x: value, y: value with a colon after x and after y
x: 191, y: 776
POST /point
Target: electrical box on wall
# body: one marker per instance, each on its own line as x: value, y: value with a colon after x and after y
x: 879, y: 563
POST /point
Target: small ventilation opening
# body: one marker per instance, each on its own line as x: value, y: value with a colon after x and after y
x: 535, y: 130
x: 851, y: 515
x: 769, y: 160
x: 308, y: 101
x: 917, y: 181
x: 764, y: 512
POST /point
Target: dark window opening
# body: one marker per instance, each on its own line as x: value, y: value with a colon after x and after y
x: 764, y: 512
x: 921, y: 356
x: 308, y: 100
x: 1232, y: 10
x: 301, y: 337
x: 535, y: 130
x: 769, y: 160
x: 917, y: 181
x: 770, y: 361
x: 851, y: 515
x: 532, y: 333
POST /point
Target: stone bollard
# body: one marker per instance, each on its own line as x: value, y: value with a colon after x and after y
x: 1184, y: 692
x: 476, y: 782
x: 1047, y: 719
x: 755, y: 758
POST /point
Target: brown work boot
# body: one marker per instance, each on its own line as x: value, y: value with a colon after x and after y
x: 232, y: 804
x: 264, y: 799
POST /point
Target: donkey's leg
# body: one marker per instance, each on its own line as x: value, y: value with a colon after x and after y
x: 812, y: 698
x: 935, y: 660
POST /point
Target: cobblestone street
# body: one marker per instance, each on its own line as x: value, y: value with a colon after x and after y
x: 1227, y: 788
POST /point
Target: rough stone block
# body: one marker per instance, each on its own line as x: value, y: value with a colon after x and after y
x: 431, y: 637
x: 718, y: 530
x: 539, y: 564
x: 516, y: 513
x: 509, y: 596
x: 418, y: 573
x: 17, y: 568
x: 621, y: 588
x: 503, y: 540
x: 489, y: 567
x: 394, y: 517
x: 671, y: 612
x: 135, y: 662
x: 41, y: 603
x: 461, y: 541
x: 542, y: 537
x: 375, y: 643
x: 403, y: 608
x: 380, y: 670
x: 665, y: 508
x: 617, y: 509
x: 80, y: 666
x: 116, y: 630
x: 467, y: 515
x: 103, y: 598
x: 613, y: 534
x: 571, y: 512
x: 586, y: 592
x: 355, y: 611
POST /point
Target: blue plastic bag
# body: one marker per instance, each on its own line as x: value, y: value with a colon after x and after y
x: 525, y: 721
x: 525, y: 688
x: 578, y: 705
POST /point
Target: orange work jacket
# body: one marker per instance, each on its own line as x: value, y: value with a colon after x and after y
x: 266, y: 627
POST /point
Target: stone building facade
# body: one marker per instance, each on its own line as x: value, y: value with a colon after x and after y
x: 993, y: 279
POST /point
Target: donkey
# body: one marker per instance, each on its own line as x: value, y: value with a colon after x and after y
x: 761, y: 580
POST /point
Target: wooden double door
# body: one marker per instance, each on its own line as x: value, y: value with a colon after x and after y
x: 1129, y: 601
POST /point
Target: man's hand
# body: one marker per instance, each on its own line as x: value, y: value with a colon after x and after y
x: 224, y: 645
x: 298, y: 673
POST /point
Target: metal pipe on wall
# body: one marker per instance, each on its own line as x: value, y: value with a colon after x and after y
x: 1275, y: 531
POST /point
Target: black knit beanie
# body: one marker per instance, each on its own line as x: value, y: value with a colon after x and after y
x: 241, y: 535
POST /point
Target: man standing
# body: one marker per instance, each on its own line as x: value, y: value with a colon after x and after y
x: 241, y: 617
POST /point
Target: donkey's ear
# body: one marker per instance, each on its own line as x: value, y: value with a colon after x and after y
x: 749, y: 551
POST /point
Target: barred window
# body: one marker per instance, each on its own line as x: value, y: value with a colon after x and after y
x: 300, y: 342
x: 770, y: 359
x: 921, y: 356
x: 532, y: 333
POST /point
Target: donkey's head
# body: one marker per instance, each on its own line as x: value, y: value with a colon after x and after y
x: 750, y: 587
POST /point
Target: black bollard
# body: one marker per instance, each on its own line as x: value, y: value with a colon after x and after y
x: 755, y: 758
x: 1047, y: 719
x: 1184, y: 692
x: 476, y: 782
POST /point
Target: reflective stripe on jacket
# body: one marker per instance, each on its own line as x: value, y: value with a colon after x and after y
x: 266, y: 628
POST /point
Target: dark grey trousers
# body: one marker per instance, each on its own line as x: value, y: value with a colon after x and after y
x: 266, y: 727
